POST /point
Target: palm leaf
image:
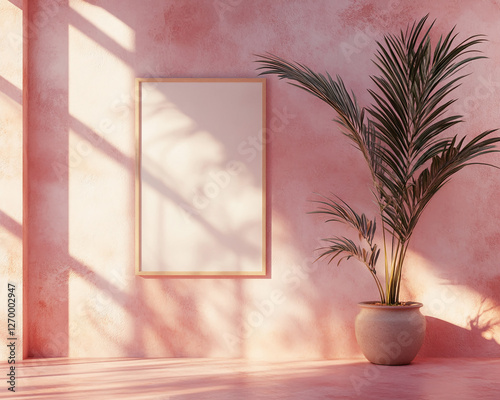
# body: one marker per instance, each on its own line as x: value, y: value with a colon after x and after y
x: 332, y: 92
x: 340, y: 211
x: 347, y: 248
x: 400, y: 136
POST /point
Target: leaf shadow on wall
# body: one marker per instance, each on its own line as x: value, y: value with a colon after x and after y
x: 167, y: 317
x: 464, y: 313
x: 474, y: 339
x: 121, y: 313
x: 116, y: 316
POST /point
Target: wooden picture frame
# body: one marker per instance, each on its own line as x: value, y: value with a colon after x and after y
x: 200, y: 177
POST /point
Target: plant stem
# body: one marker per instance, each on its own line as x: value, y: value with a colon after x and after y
x: 379, y: 287
x: 400, y: 269
x: 391, y: 297
x: 385, y: 260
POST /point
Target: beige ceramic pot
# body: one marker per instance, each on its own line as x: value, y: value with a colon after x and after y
x: 390, y: 335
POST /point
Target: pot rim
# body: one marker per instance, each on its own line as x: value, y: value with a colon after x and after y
x: 378, y: 306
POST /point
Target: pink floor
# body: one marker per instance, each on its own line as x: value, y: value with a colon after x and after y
x: 176, y: 379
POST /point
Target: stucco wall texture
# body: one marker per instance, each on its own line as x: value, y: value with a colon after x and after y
x: 11, y: 178
x: 84, y: 299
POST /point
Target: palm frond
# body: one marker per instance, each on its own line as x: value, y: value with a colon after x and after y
x: 347, y: 248
x: 454, y: 158
x: 410, y: 106
x: 410, y: 112
x: 332, y: 92
x: 400, y: 137
x: 339, y: 211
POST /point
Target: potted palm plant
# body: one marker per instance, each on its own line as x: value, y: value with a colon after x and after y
x: 401, y: 139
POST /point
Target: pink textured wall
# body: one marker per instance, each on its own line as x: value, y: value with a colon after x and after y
x: 84, y: 299
x: 11, y: 175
